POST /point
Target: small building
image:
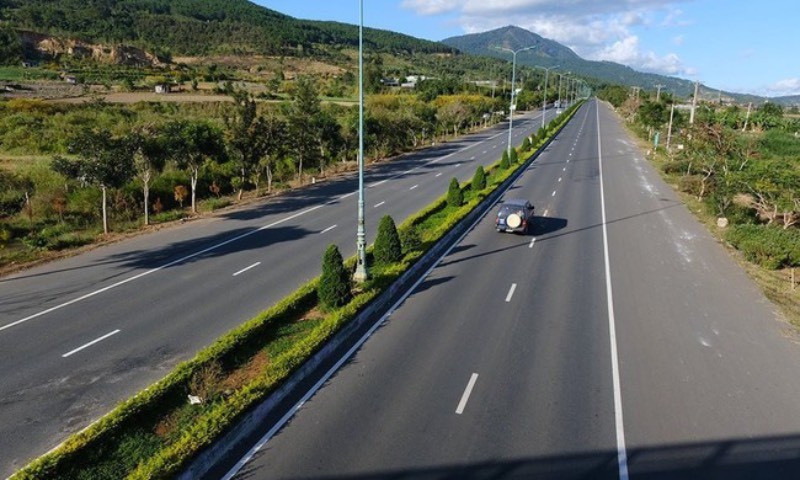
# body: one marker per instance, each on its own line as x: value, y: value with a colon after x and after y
x: 163, y: 88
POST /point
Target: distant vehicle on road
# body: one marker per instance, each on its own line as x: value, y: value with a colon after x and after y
x: 515, y: 216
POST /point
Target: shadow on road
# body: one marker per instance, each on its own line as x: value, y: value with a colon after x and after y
x: 772, y: 458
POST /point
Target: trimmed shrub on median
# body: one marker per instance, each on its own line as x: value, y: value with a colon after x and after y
x: 479, y: 179
x: 334, y: 289
x: 514, y: 156
x: 504, y: 162
x: 388, y: 248
x: 455, y: 197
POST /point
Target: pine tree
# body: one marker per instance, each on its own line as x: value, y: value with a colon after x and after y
x: 455, y: 197
x: 388, y: 248
x: 479, y: 180
x: 335, y: 283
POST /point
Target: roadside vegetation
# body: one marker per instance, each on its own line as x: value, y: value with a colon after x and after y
x: 156, y: 433
x: 71, y: 173
x: 740, y: 173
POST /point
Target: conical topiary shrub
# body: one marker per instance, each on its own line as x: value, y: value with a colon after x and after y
x: 514, y: 156
x: 455, y: 197
x: 504, y: 161
x: 335, y: 285
x: 526, y: 145
x: 479, y: 179
x: 388, y: 248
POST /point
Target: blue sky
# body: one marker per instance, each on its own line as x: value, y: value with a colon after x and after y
x: 736, y: 45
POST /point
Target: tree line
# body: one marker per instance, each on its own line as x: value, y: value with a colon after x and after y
x: 116, y: 167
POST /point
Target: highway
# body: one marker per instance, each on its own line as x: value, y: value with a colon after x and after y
x: 618, y: 340
x: 79, y: 335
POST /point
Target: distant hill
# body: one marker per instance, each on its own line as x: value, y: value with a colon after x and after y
x: 197, y: 27
x: 548, y: 53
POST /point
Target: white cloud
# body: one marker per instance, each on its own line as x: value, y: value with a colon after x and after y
x: 788, y: 86
x: 678, y: 40
x: 431, y: 7
x: 596, y: 30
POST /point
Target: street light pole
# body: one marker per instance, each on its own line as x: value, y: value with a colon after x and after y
x: 512, y: 106
x: 361, y: 273
x: 544, y: 97
x: 560, y: 77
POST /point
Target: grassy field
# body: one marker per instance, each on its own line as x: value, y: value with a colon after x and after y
x: 19, y: 74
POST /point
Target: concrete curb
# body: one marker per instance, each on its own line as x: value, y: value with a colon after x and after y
x: 251, y: 422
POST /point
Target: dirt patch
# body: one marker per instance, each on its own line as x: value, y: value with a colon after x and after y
x: 135, y: 97
x: 247, y: 373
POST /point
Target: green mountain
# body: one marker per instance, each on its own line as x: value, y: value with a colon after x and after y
x: 547, y: 53
x: 197, y: 27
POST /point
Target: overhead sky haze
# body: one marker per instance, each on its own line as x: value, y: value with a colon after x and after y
x: 738, y: 46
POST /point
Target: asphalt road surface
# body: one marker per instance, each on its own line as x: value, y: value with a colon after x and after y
x: 618, y: 340
x: 80, y: 335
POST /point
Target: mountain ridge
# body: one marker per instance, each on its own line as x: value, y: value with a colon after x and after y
x: 549, y: 53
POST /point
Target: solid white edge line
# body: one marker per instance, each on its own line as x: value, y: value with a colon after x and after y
x: 511, y: 292
x: 462, y: 404
x: 246, y: 269
x: 272, y: 431
x: 328, y: 229
x: 154, y: 270
x: 622, y: 455
x: 96, y: 340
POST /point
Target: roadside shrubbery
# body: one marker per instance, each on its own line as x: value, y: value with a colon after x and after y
x: 771, y: 247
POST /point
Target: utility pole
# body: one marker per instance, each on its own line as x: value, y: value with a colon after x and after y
x: 747, y: 117
x: 658, y: 92
x: 694, y: 102
x: 669, y: 130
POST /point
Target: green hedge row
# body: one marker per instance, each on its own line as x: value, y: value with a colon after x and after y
x: 67, y: 460
x: 769, y: 246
